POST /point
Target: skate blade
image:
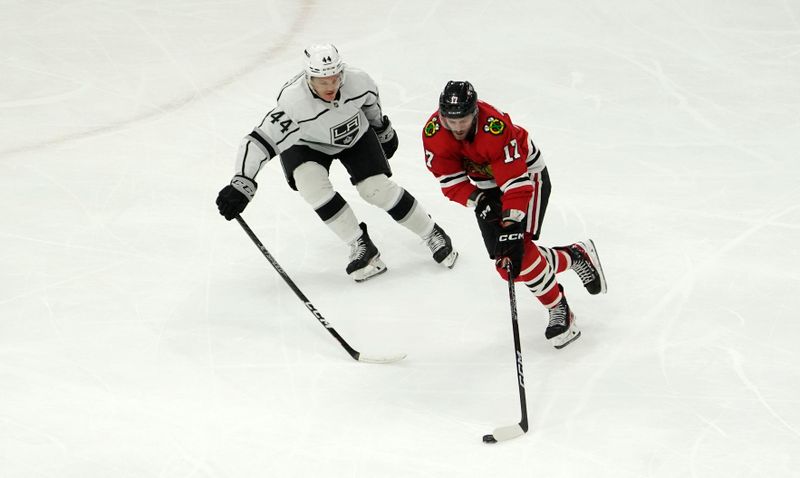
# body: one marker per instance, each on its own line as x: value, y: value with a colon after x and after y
x: 571, y: 335
x: 450, y: 260
x: 569, y: 340
x: 374, y: 268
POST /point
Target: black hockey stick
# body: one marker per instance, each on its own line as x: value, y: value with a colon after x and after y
x: 353, y: 352
x: 513, y: 431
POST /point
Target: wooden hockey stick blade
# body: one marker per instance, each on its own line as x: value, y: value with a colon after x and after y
x: 390, y: 359
x: 504, y: 433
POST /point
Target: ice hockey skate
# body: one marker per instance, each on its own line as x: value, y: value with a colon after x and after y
x: 365, y: 260
x: 561, y: 329
x: 442, y: 248
x: 586, y: 263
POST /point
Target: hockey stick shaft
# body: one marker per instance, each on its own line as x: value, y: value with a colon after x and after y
x: 512, y: 299
x: 513, y: 431
x: 350, y: 350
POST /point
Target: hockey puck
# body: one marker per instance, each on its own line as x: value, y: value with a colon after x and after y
x: 489, y: 439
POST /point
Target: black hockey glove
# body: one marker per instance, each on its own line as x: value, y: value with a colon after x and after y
x: 233, y: 198
x: 387, y: 137
x: 511, y: 244
x: 488, y: 207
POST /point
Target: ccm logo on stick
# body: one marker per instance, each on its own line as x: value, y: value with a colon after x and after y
x: 510, y: 237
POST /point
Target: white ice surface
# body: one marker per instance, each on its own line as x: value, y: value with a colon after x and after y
x: 143, y: 336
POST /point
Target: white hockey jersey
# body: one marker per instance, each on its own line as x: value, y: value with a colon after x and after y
x: 303, y: 118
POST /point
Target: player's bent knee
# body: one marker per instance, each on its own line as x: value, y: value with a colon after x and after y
x: 379, y: 191
x: 313, y: 183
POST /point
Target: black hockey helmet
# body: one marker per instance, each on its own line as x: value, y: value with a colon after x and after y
x: 458, y: 99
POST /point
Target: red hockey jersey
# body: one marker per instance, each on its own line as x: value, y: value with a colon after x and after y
x: 498, y: 154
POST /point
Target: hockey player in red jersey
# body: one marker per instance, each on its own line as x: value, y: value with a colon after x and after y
x: 483, y: 160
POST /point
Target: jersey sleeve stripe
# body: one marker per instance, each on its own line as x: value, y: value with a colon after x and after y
x: 450, y: 184
x: 243, y: 171
x: 262, y: 142
x: 534, y: 163
x: 244, y: 159
x: 518, y: 182
x: 533, y: 158
x: 451, y: 180
x: 485, y: 183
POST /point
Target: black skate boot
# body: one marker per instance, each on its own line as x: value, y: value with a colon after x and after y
x: 586, y: 263
x: 442, y: 248
x: 365, y: 260
x: 561, y: 329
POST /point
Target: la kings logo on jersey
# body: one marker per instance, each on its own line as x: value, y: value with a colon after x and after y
x: 344, y: 133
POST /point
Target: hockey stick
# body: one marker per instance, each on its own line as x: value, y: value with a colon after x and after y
x: 353, y: 352
x: 513, y: 431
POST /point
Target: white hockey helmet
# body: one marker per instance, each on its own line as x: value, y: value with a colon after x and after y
x: 322, y: 60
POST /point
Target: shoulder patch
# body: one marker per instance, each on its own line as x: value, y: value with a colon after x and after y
x: 431, y: 127
x: 494, y: 126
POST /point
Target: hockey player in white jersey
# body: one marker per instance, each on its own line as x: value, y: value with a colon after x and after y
x: 333, y: 111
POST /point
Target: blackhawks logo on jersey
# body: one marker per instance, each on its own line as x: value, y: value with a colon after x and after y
x: 477, y: 169
x: 431, y: 127
x: 494, y: 126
